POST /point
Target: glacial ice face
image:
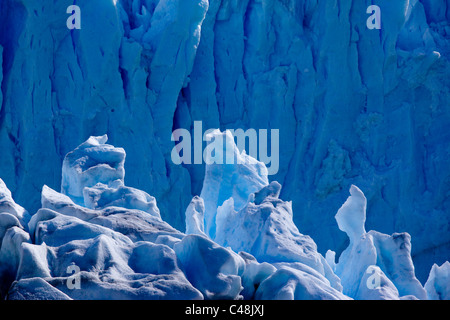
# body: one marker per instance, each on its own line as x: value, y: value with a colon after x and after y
x: 121, y: 74
x: 352, y: 92
x: 354, y: 106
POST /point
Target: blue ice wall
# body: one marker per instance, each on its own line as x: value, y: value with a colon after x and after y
x: 353, y: 105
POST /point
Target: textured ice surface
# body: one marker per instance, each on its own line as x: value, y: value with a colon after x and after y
x: 293, y: 284
x: 92, y: 162
x: 254, y: 274
x: 8, y: 207
x: 136, y: 224
x: 369, y: 290
x: 115, y: 245
x: 13, y: 232
x: 387, y: 258
x: 437, y: 285
x: 236, y: 180
x: 351, y: 216
x: 101, y: 196
x: 212, y: 269
x: 272, y: 235
x: 111, y: 265
x: 195, y: 215
x: 394, y: 258
x: 353, y: 106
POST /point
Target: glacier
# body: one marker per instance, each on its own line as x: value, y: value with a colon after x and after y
x: 354, y: 107
x: 122, y: 250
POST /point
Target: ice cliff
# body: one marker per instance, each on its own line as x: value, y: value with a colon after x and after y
x: 353, y: 106
x: 117, y: 246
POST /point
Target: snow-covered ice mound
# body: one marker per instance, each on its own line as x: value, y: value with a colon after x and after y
x: 100, y: 239
x: 109, y: 264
